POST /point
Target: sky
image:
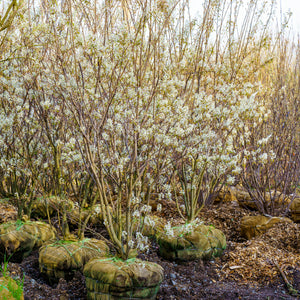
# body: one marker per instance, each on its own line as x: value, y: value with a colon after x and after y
x: 294, y: 6
x: 286, y: 5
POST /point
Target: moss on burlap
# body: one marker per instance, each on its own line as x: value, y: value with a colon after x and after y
x: 252, y: 226
x: 117, y: 279
x: 20, y: 238
x: 9, y: 289
x: 62, y: 258
x: 201, y: 242
x: 54, y: 205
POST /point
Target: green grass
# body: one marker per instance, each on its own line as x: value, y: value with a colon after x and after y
x: 13, y: 287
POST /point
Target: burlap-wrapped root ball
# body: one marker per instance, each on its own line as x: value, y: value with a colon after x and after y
x: 62, y: 258
x: 109, y: 279
x: 252, y: 226
x: 75, y: 217
x: 152, y: 226
x: 188, y: 243
x: 51, y: 204
x: 295, y: 209
x: 20, y: 238
x: 10, y: 289
x: 226, y: 194
x: 96, y: 216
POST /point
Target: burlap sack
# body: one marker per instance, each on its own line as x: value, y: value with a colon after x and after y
x: 252, y: 226
x: 20, y: 238
x: 226, y: 194
x: 117, y: 279
x: 62, y: 258
x: 53, y: 204
x: 96, y: 216
x: 152, y: 226
x: 295, y: 209
x: 276, y: 199
x: 203, y: 242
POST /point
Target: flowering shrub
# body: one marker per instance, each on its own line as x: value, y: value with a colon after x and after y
x: 270, y: 169
x: 112, y: 102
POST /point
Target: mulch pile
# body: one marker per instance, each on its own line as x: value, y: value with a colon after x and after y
x: 255, y: 260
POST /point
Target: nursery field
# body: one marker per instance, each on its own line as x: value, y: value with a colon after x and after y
x: 147, y: 153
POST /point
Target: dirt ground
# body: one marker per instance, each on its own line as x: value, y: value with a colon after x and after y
x: 247, y: 269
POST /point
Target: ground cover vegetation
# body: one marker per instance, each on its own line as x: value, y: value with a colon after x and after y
x: 111, y: 111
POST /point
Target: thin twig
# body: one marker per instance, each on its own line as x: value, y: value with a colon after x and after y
x: 291, y: 289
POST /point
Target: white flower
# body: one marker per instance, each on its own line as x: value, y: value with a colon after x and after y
x: 135, y: 200
x: 136, y: 214
x: 97, y: 209
x: 142, y: 241
x: 272, y: 155
x: 197, y: 221
x: 169, y: 230
x: 149, y: 222
x: 146, y: 209
x: 72, y: 141
x: 237, y: 170
x: 159, y: 207
x: 230, y: 180
x: 247, y: 153
x: 188, y: 228
x: 46, y: 104
x: 264, y: 140
x: 264, y: 158
x: 131, y: 244
x: 105, y: 136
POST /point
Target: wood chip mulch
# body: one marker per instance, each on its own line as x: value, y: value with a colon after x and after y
x: 7, y: 212
x: 254, y: 260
